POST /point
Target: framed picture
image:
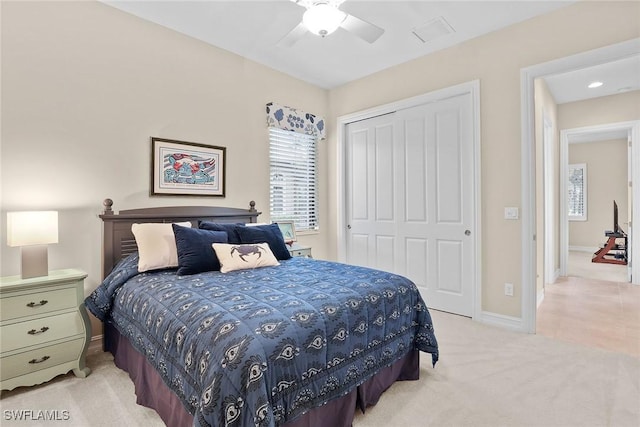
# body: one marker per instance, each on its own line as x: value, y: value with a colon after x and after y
x: 180, y: 168
x: 288, y: 231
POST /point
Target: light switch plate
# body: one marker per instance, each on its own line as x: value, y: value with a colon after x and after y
x: 508, y: 289
x: 511, y: 213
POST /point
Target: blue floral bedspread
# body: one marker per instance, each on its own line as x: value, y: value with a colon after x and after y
x: 261, y: 347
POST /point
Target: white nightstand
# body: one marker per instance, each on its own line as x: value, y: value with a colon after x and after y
x: 44, y: 328
x: 299, y: 250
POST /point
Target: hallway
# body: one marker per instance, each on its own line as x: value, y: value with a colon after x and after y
x: 592, y: 311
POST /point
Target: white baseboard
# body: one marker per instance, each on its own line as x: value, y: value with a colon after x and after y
x: 554, y: 277
x: 582, y: 249
x: 540, y: 298
x: 502, y: 321
x: 95, y: 346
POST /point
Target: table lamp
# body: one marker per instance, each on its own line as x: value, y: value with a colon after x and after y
x: 32, y: 232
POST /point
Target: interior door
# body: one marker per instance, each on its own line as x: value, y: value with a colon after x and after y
x: 629, y: 208
x: 370, y: 193
x: 410, y: 205
x: 548, y: 206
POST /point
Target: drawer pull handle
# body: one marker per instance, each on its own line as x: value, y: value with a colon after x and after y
x: 42, y: 330
x: 39, y: 304
x: 42, y: 359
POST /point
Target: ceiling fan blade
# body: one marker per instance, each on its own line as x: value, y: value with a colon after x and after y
x: 363, y: 29
x: 293, y: 36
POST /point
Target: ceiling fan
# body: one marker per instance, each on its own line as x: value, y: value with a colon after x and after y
x: 323, y: 17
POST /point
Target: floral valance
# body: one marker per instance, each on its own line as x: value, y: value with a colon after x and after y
x: 288, y: 118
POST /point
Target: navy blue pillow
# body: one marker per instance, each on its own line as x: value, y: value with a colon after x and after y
x: 195, y: 253
x: 270, y: 234
x: 229, y: 228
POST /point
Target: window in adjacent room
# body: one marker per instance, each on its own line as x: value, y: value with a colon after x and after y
x: 578, y: 192
x: 293, y: 178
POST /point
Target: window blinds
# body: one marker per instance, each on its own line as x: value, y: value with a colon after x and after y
x: 578, y: 191
x: 293, y: 179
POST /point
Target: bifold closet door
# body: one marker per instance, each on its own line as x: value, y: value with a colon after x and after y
x: 409, y: 178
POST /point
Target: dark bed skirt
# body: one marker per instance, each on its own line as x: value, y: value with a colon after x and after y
x: 152, y: 392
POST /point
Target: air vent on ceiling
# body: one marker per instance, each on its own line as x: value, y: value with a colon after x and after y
x: 433, y: 29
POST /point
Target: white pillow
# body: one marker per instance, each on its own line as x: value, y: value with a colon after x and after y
x: 156, y: 245
x: 240, y: 257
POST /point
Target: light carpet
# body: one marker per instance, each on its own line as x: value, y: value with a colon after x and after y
x: 486, y: 376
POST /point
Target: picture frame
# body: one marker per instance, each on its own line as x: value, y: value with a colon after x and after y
x: 181, y: 168
x: 288, y: 230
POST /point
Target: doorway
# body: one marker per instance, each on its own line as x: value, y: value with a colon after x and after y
x: 592, y: 303
x: 608, y: 150
x: 529, y: 182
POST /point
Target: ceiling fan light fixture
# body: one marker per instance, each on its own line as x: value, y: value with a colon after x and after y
x: 322, y: 19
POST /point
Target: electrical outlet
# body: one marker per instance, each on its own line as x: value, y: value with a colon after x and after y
x: 508, y: 289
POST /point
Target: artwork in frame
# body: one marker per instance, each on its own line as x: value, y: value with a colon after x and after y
x: 180, y: 168
x: 288, y: 230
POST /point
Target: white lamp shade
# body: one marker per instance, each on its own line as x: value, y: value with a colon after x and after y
x: 322, y: 19
x: 32, y: 228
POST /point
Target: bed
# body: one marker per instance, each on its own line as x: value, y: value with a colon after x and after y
x: 301, y: 343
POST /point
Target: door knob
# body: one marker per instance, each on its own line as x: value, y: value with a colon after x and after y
x: 349, y: 226
x: 467, y: 232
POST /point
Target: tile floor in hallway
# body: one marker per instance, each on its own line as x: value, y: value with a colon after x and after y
x: 593, y: 312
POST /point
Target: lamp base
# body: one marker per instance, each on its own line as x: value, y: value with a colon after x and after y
x: 35, y: 262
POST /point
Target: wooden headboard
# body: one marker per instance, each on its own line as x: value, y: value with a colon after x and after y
x: 118, y: 240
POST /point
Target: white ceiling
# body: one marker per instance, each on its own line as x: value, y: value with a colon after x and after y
x: 598, y: 135
x: 617, y: 77
x: 253, y: 29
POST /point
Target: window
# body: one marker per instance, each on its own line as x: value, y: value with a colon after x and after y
x: 293, y: 180
x: 578, y: 192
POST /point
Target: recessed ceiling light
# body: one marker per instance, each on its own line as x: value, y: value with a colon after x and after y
x: 594, y: 85
x: 625, y: 89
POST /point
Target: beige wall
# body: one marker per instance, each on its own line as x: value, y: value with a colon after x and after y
x: 85, y: 86
x: 599, y: 111
x: 496, y: 60
x: 606, y: 181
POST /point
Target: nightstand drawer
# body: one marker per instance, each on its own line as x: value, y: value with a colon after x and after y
x: 41, y: 358
x: 37, y: 303
x: 39, y: 331
x: 301, y: 253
